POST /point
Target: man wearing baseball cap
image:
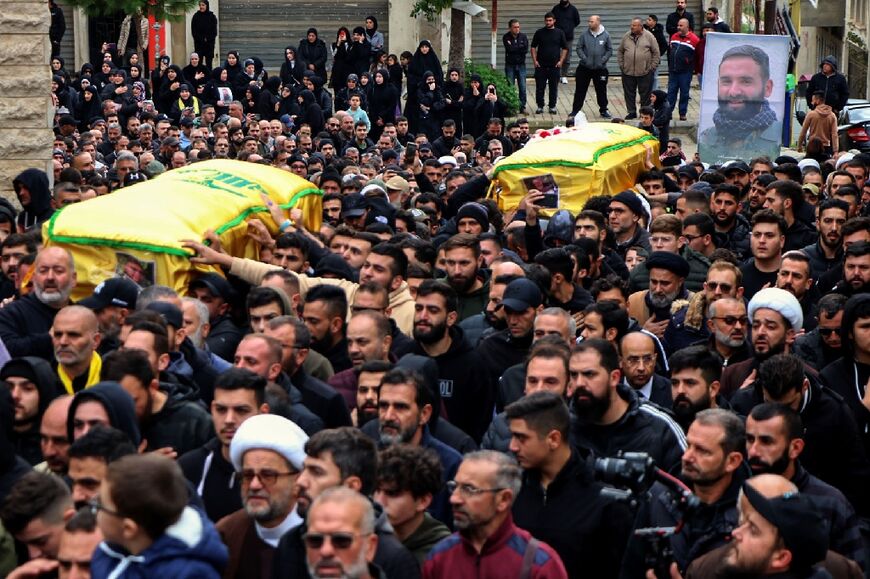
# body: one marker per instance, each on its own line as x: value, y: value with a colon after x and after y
x: 626, y: 212
x: 112, y: 301
x: 216, y: 293
x: 780, y: 533
x: 522, y: 301
x: 267, y: 452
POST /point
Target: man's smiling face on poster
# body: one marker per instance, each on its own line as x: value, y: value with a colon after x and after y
x: 744, y: 84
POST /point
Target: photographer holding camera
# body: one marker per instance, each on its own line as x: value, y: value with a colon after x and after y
x: 714, y: 470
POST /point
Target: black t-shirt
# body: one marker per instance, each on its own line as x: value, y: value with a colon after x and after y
x: 549, y: 44
x: 754, y: 280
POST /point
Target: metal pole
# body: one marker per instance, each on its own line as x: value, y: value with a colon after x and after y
x: 493, y: 41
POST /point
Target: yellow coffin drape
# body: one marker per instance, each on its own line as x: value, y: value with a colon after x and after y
x: 137, y: 231
x: 597, y: 159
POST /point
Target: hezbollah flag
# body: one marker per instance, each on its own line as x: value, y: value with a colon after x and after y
x: 571, y: 165
x: 137, y: 231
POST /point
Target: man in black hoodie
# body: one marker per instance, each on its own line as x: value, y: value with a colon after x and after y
x: 25, y: 323
x: 33, y: 385
x: 31, y: 187
x: 167, y: 418
x: 464, y: 385
x: 106, y: 403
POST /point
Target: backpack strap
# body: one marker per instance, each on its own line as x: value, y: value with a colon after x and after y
x: 529, y: 558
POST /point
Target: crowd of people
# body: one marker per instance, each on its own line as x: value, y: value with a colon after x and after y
x: 422, y: 387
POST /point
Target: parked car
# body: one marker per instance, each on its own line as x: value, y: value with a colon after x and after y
x: 854, y: 125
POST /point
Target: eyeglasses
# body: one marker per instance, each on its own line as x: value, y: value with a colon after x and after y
x: 267, y: 477
x: 733, y: 320
x: 646, y: 360
x: 468, y: 491
x: 339, y: 540
x: 828, y: 331
x: 691, y: 238
x: 95, y: 506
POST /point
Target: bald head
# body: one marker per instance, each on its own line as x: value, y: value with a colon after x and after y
x: 507, y: 268
x: 53, y: 435
x: 771, y: 486
x: 637, y: 341
x: 83, y: 317
x: 75, y: 335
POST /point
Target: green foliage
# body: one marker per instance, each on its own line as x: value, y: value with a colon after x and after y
x: 160, y: 9
x: 507, y: 93
x: 430, y: 8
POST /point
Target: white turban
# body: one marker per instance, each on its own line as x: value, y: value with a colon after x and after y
x: 779, y: 301
x: 269, y: 432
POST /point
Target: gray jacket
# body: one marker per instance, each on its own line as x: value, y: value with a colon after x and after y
x: 594, y: 50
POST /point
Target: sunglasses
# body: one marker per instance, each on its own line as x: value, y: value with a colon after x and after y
x: 712, y: 285
x: 339, y: 540
x: 732, y: 320
x: 828, y: 331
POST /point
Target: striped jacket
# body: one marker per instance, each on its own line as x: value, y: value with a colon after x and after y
x: 681, y: 55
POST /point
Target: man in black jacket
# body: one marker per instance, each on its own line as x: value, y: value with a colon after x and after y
x: 25, y: 323
x: 833, y: 450
x: 167, y: 416
x: 516, y: 49
x: 638, y: 356
x: 559, y: 501
x: 204, y: 29
x: 549, y: 52
x: 217, y: 294
x: 675, y: 17
x: 33, y: 384
x: 609, y: 416
x: 829, y: 81
x: 713, y: 468
x: 827, y: 253
x: 774, y: 443
x: 239, y: 394
x: 567, y: 20
x: 318, y: 396
x: 341, y: 457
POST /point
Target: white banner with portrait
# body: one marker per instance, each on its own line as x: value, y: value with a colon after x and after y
x: 742, y: 96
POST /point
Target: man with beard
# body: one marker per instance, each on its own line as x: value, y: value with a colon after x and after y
x: 856, y: 270
x: 491, y: 319
x: 340, y: 457
x: 325, y: 312
x: 756, y: 194
x: 833, y: 451
x: 794, y: 277
x: 767, y: 241
x: 827, y: 253
x: 626, y: 211
x: 167, y: 416
x: 780, y: 534
x: 652, y: 308
x: 32, y: 385
x: 690, y: 325
x: 368, y: 338
x: 713, y: 468
x: 732, y: 228
x: 563, y: 292
x: 744, y: 124
x: 774, y: 443
x: 12, y: 250
x: 728, y: 325
x: 462, y: 262
x: 267, y: 453
x: 112, y: 301
x: 368, y: 388
x: 775, y: 317
x: 346, y: 517
x: 463, y: 383
x: 404, y: 411
x: 488, y: 543
x: 216, y: 293
x: 53, y: 439
x: 25, y: 323
x: 75, y: 336
x: 695, y: 374
x: 318, y: 396
x: 786, y: 198
x: 611, y: 416
x: 559, y: 502
x: 824, y: 344
x: 239, y: 394
x: 638, y: 363
x: 522, y: 301
x: 605, y: 320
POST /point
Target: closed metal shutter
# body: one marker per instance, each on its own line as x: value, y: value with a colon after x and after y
x: 67, y: 44
x: 263, y: 28
x: 615, y: 18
